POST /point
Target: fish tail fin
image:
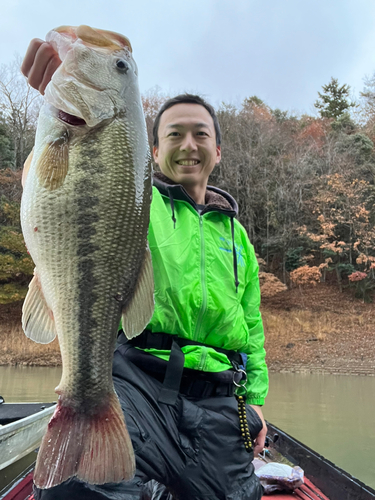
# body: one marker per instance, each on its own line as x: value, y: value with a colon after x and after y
x: 95, y: 448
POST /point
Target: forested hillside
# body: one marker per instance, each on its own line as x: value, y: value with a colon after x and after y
x: 304, y: 184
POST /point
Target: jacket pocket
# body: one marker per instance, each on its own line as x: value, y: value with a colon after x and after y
x: 138, y: 435
x: 189, y: 427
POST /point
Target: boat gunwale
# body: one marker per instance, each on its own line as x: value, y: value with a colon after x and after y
x: 14, y: 426
x: 308, y: 459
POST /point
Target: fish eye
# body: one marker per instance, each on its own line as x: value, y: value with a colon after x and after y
x: 122, y: 65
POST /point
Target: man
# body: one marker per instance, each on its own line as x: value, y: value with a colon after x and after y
x: 176, y: 381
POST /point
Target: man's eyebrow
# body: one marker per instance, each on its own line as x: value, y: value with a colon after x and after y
x: 197, y: 125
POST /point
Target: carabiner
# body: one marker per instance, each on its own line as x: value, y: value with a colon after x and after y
x: 243, y: 380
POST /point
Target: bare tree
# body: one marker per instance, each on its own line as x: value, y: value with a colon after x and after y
x: 152, y: 101
x: 20, y: 105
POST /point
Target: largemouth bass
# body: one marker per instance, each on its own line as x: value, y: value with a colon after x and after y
x: 85, y: 215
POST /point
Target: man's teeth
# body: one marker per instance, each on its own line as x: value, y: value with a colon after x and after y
x: 188, y: 163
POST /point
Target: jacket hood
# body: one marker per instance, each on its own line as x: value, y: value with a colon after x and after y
x: 215, y: 199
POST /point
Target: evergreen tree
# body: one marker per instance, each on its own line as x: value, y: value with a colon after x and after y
x: 253, y: 101
x: 333, y: 101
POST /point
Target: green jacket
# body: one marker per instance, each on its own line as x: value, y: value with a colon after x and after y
x: 195, y: 282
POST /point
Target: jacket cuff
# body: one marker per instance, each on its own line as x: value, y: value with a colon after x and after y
x: 254, y: 401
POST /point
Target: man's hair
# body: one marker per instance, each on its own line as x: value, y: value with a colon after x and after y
x: 186, y: 99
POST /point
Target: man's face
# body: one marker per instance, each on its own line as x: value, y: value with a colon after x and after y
x: 187, y: 151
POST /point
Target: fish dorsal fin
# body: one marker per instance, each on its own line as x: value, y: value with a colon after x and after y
x: 37, y: 318
x: 53, y: 163
x: 98, y: 38
x: 138, y: 312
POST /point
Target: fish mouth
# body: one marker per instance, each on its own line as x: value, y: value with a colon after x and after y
x: 71, y: 119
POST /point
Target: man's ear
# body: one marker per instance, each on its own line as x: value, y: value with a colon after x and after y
x: 218, y: 154
x: 155, y: 153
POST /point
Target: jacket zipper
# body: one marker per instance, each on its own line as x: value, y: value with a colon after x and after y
x: 202, y: 361
x: 203, y: 281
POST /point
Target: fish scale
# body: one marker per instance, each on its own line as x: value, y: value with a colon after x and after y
x: 94, y: 277
x: 85, y: 214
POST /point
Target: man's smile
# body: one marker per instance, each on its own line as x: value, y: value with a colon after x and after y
x: 187, y: 163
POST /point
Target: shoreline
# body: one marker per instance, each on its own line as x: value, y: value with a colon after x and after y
x: 363, y: 370
x: 323, y: 332
x: 323, y: 371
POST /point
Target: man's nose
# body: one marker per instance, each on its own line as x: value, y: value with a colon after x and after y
x: 188, y: 143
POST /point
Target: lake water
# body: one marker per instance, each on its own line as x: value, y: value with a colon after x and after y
x: 333, y: 415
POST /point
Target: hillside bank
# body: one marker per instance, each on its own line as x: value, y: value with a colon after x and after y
x: 318, y: 331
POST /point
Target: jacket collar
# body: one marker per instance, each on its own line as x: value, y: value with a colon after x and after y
x: 215, y: 199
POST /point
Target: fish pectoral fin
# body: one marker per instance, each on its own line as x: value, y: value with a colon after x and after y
x: 53, y: 163
x: 26, y: 167
x: 37, y: 318
x: 138, y: 312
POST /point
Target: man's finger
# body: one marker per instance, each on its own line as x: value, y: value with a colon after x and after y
x: 42, y: 59
x: 29, y: 58
x: 257, y: 450
x: 52, y: 66
x: 259, y: 444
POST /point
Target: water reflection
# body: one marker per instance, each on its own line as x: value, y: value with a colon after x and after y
x: 333, y: 415
x: 29, y: 383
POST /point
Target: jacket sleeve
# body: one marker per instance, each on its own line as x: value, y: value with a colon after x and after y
x: 256, y: 368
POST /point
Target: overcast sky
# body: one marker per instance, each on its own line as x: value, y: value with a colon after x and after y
x: 283, y: 51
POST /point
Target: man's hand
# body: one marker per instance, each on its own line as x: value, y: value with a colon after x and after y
x: 261, y: 437
x: 39, y: 64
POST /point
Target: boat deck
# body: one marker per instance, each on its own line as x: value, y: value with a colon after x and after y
x: 320, y: 473
x: 305, y: 492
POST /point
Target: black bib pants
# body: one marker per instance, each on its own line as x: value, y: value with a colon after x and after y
x: 192, y: 450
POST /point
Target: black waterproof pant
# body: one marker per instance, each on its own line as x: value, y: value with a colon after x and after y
x: 193, y: 447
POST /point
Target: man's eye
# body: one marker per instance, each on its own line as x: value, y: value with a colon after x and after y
x: 202, y: 133
x: 173, y: 134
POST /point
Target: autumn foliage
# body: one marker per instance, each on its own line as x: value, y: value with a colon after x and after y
x: 305, y: 275
x: 305, y: 187
x: 270, y: 285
